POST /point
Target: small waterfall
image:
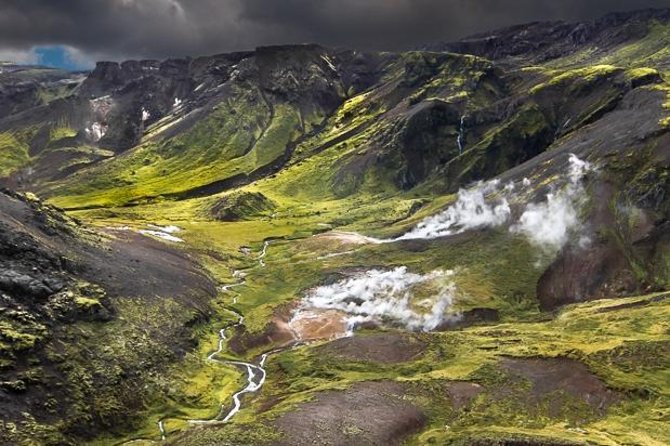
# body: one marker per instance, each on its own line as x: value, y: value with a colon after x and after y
x: 461, y: 136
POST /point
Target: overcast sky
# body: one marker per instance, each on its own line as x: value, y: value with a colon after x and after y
x: 89, y: 30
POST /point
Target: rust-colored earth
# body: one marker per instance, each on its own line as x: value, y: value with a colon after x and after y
x: 313, y: 325
x: 290, y: 325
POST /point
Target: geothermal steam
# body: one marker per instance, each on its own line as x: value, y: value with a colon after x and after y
x: 377, y: 295
x: 548, y: 225
x: 551, y: 224
x: 471, y: 211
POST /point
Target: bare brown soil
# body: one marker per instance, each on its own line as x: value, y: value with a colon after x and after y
x: 277, y: 332
x: 367, y: 413
x: 386, y: 348
x: 134, y: 265
x: 569, y: 377
x: 462, y: 393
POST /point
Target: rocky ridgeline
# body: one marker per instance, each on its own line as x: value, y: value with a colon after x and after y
x: 543, y: 41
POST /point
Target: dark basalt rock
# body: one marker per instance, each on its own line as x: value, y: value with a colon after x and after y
x: 583, y: 275
x: 427, y: 140
x: 55, y: 275
x: 33, y: 287
x: 542, y: 41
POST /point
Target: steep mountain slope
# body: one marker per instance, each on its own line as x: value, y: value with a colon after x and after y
x: 465, y: 244
x: 72, y: 300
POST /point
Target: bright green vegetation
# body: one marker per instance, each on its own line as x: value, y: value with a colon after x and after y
x: 193, y: 388
x: 242, y: 206
x: 213, y: 150
x: 58, y: 144
x: 665, y: 88
x: 648, y: 51
x: 586, y: 74
x: 13, y: 153
x: 59, y: 133
x: 326, y: 156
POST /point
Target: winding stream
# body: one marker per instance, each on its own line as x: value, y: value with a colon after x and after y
x: 161, y: 428
x: 255, y: 377
x: 264, y: 252
x: 256, y: 373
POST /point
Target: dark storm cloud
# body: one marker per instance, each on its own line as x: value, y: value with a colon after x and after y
x: 161, y: 28
x: 390, y: 24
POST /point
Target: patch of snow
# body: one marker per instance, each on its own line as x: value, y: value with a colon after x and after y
x: 101, y: 99
x: 161, y: 235
x: 171, y: 229
x: 101, y: 106
x: 118, y: 228
x: 163, y: 232
x: 328, y: 61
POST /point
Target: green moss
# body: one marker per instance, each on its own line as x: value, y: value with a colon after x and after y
x: 241, y: 206
x: 340, y: 177
x: 86, y: 303
x: 15, y: 338
x: 651, y: 50
x: 665, y: 88
x: 13, y: 153
x: 520, y: 138
x: 58, y: 133
x: 586, y: 74
x: 213, y: 150
x: 641, y: 73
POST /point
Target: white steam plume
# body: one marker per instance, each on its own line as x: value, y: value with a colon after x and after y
x: 377, y: 295
x: 96, y: 131
x: 551, y: 224
x: 471, y: 211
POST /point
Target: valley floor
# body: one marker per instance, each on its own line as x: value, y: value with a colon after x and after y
x: 590, y: 373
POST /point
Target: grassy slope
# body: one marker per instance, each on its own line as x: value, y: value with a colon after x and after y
x: 13, y: 153
x: 217, y: 149
x: 508, y: 284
